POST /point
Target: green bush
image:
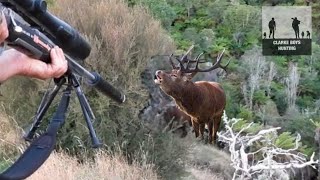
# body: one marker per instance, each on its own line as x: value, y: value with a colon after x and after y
x: 160, y: 10
x: 245, y: 113
x: 259, y: 97
x: 303, y: 126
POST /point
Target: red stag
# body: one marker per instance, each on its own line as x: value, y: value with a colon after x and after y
x: 203, y: 101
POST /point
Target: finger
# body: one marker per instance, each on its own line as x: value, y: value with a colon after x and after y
x: 61, y: 54
x: 59, y: 64
x: 54, y: 56
x: 4, y: 33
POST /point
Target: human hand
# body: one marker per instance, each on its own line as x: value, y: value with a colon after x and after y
x: 4, y: 33
x: 13, y: 62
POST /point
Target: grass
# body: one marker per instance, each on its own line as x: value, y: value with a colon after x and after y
x: 62, y: 166
x: 206, y: 161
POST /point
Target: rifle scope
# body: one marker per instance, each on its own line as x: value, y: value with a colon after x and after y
x: 63, y: 34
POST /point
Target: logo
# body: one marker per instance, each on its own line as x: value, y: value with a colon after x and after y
x: 286, y: 30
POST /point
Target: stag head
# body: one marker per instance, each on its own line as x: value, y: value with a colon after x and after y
x: 171, y: 82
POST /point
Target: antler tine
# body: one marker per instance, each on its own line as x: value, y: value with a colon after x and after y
x: 216, y: 64
x: 219, y: 60
x: 189, y: 50
x: 182, y: 59
x: 224, y: 67
x: 188, y: 64
x: 197, y: 59
x: 181, y: 64
x: 171, y: 62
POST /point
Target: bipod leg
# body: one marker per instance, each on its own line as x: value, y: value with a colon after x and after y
x: 87, y: 112
x: 43, y: 107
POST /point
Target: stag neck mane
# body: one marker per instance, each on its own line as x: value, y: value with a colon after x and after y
x: 187, y: 96
x: 181, y: 91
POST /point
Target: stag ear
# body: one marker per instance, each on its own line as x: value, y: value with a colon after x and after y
x: 179, y: 72
x: 185, y: 78
x: 190, y: 75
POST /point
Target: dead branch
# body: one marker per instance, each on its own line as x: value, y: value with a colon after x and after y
x: 240, y: 147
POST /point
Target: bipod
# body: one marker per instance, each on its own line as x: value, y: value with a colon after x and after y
x: 40, y: 149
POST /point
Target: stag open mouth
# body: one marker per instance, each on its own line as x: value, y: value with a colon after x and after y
x: 157, y: 79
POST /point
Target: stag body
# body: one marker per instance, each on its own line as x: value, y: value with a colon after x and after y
x: 203, y: 101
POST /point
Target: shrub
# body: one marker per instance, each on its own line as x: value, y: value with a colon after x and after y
x: 123, y: 40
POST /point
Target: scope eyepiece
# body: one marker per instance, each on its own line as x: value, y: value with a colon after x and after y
x: 64, y: 35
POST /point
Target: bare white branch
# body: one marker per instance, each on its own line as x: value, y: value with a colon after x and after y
x: 250, y: 161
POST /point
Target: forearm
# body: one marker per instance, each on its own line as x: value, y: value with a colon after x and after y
x: 9, y: 65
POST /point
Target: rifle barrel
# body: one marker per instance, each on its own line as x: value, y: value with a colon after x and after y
x: 95, y: 80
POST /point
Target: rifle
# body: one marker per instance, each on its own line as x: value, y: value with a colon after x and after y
x: 32, y: 28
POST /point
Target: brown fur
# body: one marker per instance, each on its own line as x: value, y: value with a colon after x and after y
x: 203, y: 101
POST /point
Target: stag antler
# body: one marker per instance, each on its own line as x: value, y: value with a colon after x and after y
x: 215, y: 66
x: 197, y: 61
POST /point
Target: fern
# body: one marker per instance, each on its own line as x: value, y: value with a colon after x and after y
x: 317, y: 124
x: 254, y: 128
x: 285, y: 141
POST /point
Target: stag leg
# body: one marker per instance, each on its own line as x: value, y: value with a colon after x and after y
x: 217, y: 121
x: 202, y: 126
x: 195, y: 126
x: 210, y: 127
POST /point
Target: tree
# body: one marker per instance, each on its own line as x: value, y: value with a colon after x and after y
x: 256, y: 66
x: 292, y: 82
